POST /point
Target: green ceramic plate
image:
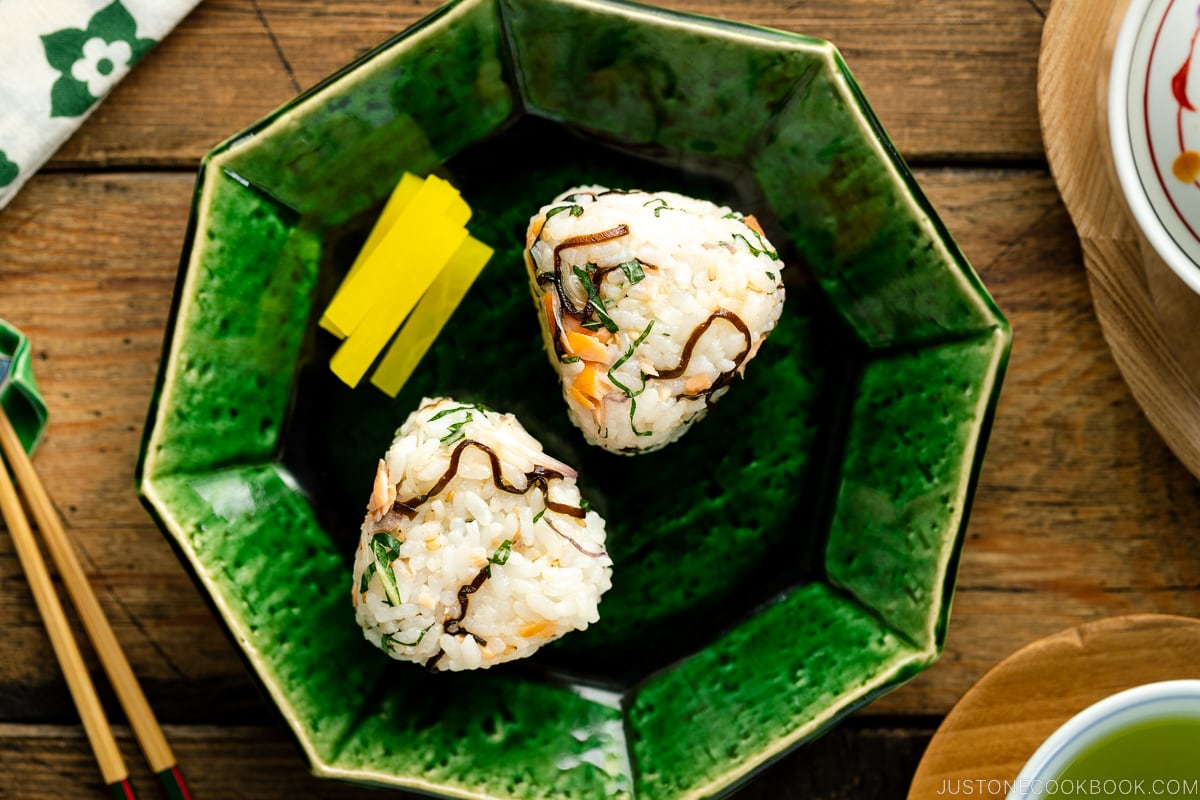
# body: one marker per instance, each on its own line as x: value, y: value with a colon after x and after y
x: 788, y: 560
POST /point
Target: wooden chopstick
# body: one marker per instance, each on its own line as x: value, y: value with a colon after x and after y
x: 79, y: 682
x: 116, y: 666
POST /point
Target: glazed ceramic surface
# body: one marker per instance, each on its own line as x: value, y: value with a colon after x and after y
x: 788, y: 560
x: 1154, y: 126
x: 18, y: 392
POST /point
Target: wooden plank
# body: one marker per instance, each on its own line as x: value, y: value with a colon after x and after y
x: 186, y: 664
x: 1082, y: 512
x: 259, y: 763
x: 924, y: 65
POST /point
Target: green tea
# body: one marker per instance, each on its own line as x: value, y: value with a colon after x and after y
x: 1154, y: 758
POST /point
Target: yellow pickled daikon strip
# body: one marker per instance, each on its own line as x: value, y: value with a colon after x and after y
x: 403, y: 195
x: 414, y: 262
x: 430, y: 316
x: 435, y: 207
x: 399, y: 200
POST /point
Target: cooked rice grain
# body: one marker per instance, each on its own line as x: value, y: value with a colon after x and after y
x: 650, y: 304
x: 476, y: 548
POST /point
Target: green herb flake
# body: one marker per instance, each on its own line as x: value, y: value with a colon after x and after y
x: 575, y: 209
x: 386, y: 549
x: 570, y: 359
x: 628, y: 354
x: 500, y: 557
x: 632, y: 395
x: 393, y: 642
x: 597, y: 300
x: 633, y: 271
x: 757, y: 251
x: 455, y: 431
x: 662, y: 206
x: 633, y: 410
x: 445, y: 412
x: 366, y: 578
x: 502, y: 553
x: 771, y: 275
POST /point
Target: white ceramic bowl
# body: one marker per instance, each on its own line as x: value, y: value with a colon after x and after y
x: 1154, y: 126
x: 1097, y: 722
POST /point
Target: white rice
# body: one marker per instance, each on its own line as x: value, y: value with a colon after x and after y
x: 539, y: 571
x: 672, y: 269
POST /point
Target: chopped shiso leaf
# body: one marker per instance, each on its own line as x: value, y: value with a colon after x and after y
x: 386, y: 549
x: 502, y: 553
x: 468, y: 407
x: 456, y: 431
x: 633, y: 271
x: 575, y: 209
x: 632, y: 395
x: 597, y: 301
x: 661, y: 207
x: 392, y: 641
x: 761, y: 249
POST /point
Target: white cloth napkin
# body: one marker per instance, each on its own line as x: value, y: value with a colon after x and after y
x: 58, y: 60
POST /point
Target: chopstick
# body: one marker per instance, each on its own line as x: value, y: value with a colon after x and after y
x: 116, y: 666
x: 79, y: 683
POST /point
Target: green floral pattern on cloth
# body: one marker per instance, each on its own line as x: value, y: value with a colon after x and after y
x: 8, y: 170
x: 58, y: 60
x: 92, y: 60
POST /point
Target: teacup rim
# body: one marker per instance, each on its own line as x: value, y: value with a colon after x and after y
x: 1087, y: 725
x: 1133, y: 191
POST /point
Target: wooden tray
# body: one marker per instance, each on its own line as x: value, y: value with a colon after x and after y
x: 1149, y: 316
x: 988, y: 736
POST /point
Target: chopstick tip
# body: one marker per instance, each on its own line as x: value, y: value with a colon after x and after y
x: 173, y: 785
x: 122, y: 790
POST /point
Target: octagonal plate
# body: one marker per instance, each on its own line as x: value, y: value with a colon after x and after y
x: 788, y: 560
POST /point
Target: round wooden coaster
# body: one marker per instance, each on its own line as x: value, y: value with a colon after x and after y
x: 1148, y: 314
x: 988, y: 736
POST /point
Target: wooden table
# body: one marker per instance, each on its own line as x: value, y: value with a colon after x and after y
x: 1082, y: 511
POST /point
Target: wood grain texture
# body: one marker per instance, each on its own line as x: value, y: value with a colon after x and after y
x: 1004, y: 718
x: 259, y: 763
x: 1082, y: 511
x: 59, y: 631
x: 950, y: 79
x: 1147, y: 313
